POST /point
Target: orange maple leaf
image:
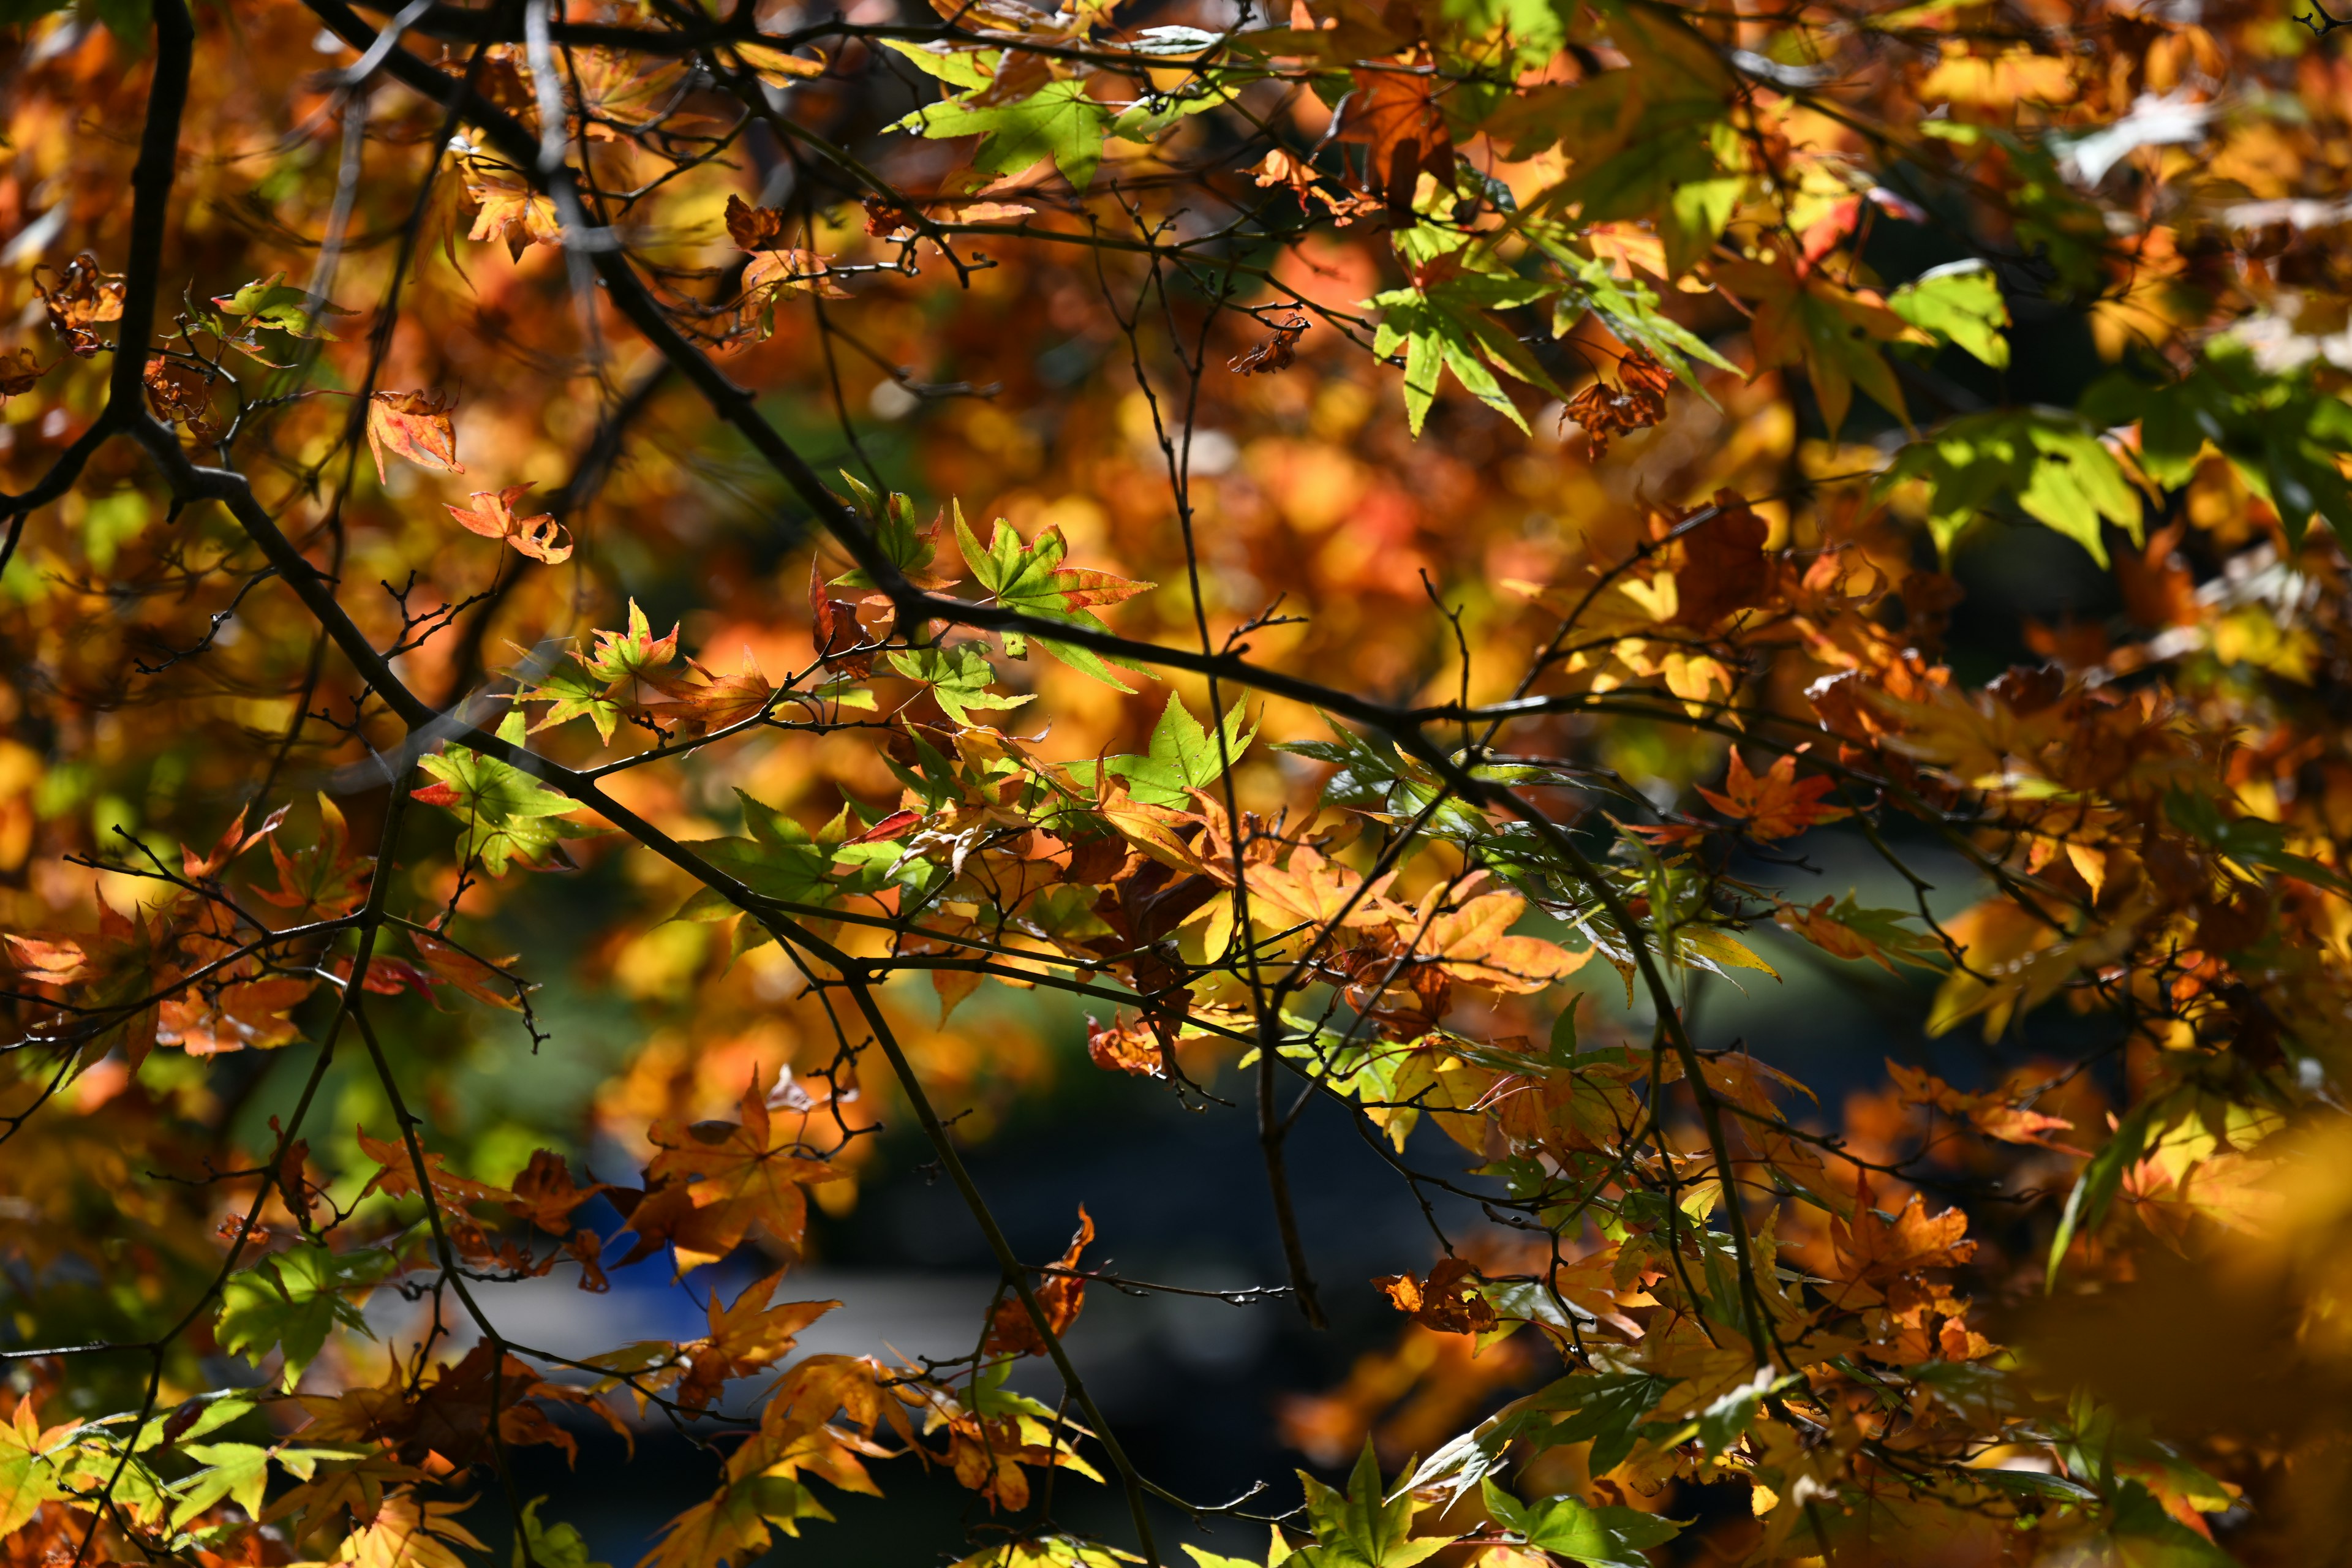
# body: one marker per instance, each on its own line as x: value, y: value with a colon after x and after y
x: 415, y: 426
x: 546, y: 1194
x: 713, y: 1181
x: 541, y: 538
x: 1774, y: 804
x: 1060, y: 1296
x: 745, y: 1336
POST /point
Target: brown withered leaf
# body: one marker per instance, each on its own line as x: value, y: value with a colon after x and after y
x: 18, y: 371
x: 545, y: 1193
x: 1278, y: 352
x: 1449, y: 1300
x: 1723, y: 566
x: 754, y: 229
x: 774, y: 265
x: 1637, y: 402
x: 181, y: 394
x: 82, y: 298
x: 415, y: 426
x: 1396, y: 117
x: 1060, y: 1296
x: 1125, y: 1047
x: 541, y: 538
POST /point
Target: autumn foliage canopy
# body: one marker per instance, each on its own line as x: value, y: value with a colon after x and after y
x: 1392, y: 562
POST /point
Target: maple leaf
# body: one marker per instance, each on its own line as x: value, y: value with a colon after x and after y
x: 1278, y: 352
x: 243, y: 1014
x: 1184, y: 756
x: 47, y: 962
x: 1637, y: 402
x: 734, y: 1526
x: 891, y: 520
x: 290, y: 1302
x: 407, y: 1533
x: 19, y: 369
x: 1834, y: 332
x: 711, y: 701
x: 1845, y: 930
x: 747, y: 1335
x: 775, y: 266
x: 1875, y: 1249
x: 1776, y: 803
x: 326, y: 878
x: 1060, y: 120
x: 2057, y: 465
x: 1449, y: 1300
x: 1029, y: 576
x: 1364, y: 1527
x: 712, y: 1181
x: 1394, y: 115
x: 234, y: 841
x: 415, y: 426
x: 397, y: 1177
x: 633, y: 652
x: 507, y: 208
x: 957, y: 677
x: 1125, y: 1047
x: 1473, y: 944
x: 541, y: 538
x: 545, y: 1193
x: 82, y: 298
x: 1060, y: 1296
x: 1607, y: 1537
x: 447, y: 964
x: 1961, y: 302
x: 508, y: 814
x: 29, y: 1475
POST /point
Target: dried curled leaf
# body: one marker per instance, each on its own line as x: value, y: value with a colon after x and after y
x: 416, y: 426
x: 541, y: 538
x: 1637, y: 402
x: 82, y: 298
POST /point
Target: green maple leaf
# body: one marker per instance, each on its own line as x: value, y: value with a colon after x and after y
x: 958, y: 677
x: 575, y: 692
x: 1057, y: 121
x: 1361, y: 1528
x: 634, y: 654
x: 912, y: 549
x: 557, y: 1545
x: 509, y: 816
x: 1028, y: 576
x: 1961, y: 304
x: 1567, y: 1527
x: 293, y: 1299
x: 782, y: 860
x: 1447, y: 324
x: 2280, y: 433
x: 1184, y: 756
x: 2053, y: 464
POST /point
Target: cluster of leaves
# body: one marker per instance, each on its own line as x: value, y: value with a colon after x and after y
x: 1452, y: 852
